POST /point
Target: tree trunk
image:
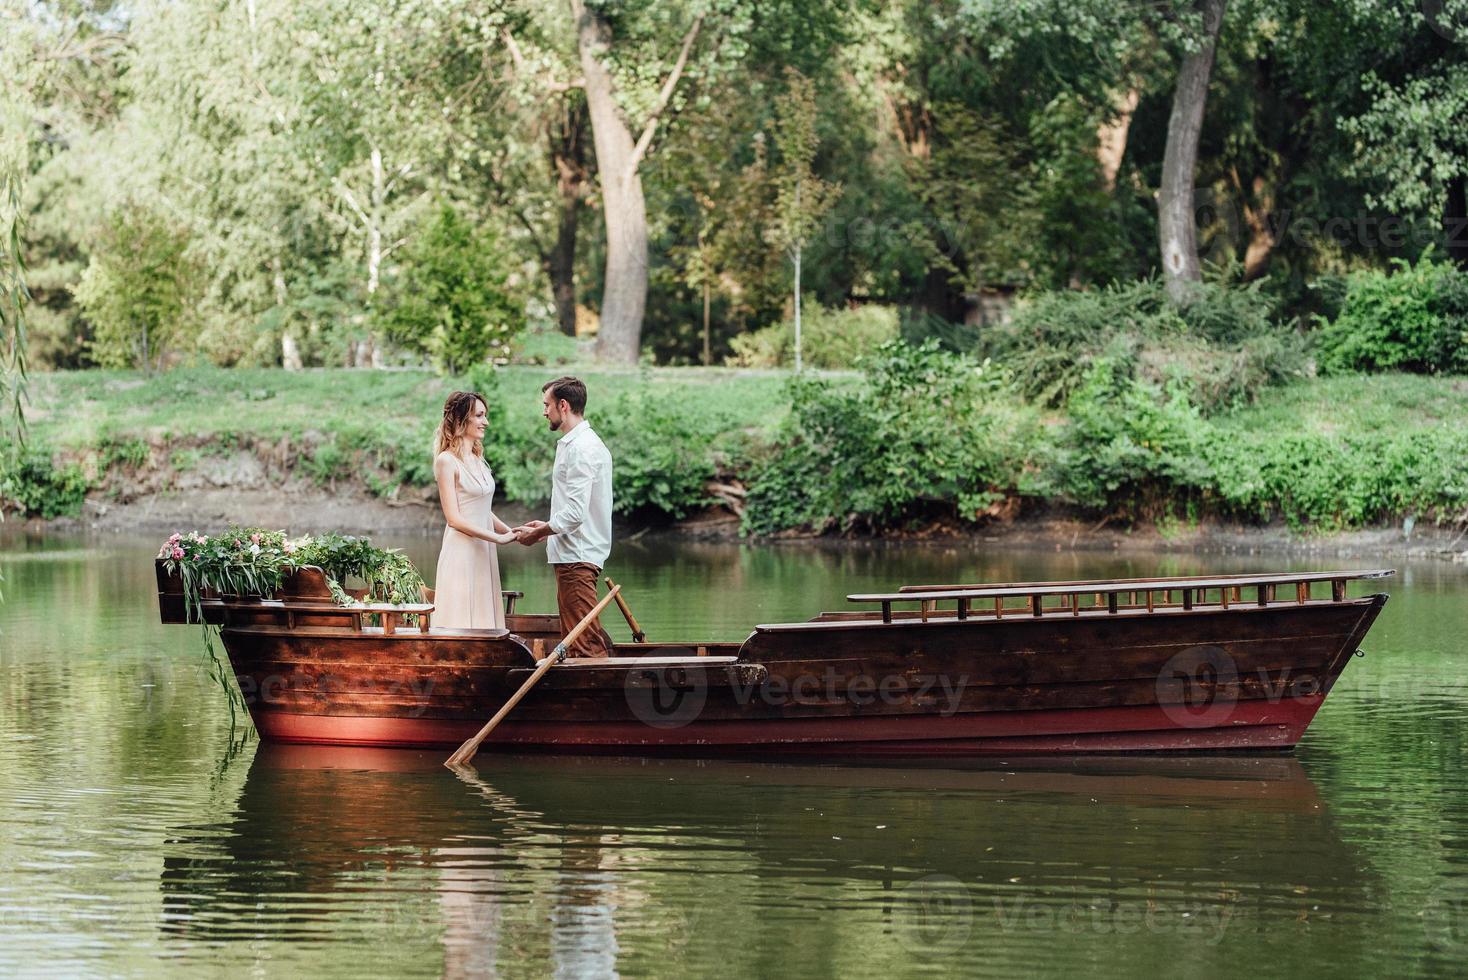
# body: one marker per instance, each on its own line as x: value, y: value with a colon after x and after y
x: 1111, y: 136
x: 797, y: 299
x: 290, y: 351
x: 374, y: 226
x: 1455, y: 221
x: 1258, y: 210
x: 1176, y: 227
x: 708, y: 354
x: 563, y: 265
x: 568, y: 166
x: 624, y: 295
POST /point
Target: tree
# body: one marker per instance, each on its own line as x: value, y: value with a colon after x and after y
x: 13, y: 294
x: 1177, y: 228
x: 140, y: 291
x: 803, y: 198
x: 449, y: 298
x: 1413, y: 142
x: 618, y: 159
x: 1120, y: 33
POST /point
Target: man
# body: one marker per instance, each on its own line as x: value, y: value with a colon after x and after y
x: 578, y: 534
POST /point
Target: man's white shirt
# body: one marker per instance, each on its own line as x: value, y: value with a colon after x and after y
x: 581, y: 500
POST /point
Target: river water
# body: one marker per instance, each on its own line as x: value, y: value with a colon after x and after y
x: 138, y: 832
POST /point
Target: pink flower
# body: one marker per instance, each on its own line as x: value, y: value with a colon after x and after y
x: 174, y: 537
x: 290, y: 549
x: 177, y: 553
x: 255, y: 538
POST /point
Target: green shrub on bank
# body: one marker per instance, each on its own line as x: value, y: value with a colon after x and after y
x: 1412, y: 319
x: 1130, y: 448
x: 929, y: 434
x: 1331, y: 481
x: 829, y: 338
x: 32, y: 483
x: 1223, y: 349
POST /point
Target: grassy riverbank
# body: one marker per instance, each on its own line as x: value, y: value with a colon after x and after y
x: 838, y: 453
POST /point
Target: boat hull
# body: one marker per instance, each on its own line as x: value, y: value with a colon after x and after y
x: 1146, y: 681
x: 1064, y: 731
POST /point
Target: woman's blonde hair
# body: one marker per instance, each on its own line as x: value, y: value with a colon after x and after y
x: 456, y: 411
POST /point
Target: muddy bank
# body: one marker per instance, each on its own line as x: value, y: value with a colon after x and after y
x: 302, y: 506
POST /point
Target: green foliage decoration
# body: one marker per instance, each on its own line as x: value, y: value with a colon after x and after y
x: 253, y: 561
x: 246, y: 561
x: 389, y: 574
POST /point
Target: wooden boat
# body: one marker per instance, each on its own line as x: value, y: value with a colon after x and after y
x: 1123, y: 665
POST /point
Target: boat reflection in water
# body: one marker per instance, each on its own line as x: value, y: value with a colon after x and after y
x: 577, y: 864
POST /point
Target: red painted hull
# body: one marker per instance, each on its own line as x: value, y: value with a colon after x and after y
x: 1134, y: 672
x: 1120, y: 729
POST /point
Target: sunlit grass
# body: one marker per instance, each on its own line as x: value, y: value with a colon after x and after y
x: 75, y: 409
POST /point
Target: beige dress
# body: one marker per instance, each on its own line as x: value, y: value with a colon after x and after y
x: 467, y: 586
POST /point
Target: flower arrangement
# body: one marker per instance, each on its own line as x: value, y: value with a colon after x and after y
x: 253, y: 561
x: 248, y: 561
x: 240, y: 562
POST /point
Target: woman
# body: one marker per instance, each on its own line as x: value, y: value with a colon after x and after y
x: 467, y: 586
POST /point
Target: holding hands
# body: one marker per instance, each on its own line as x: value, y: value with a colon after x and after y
x: 532, y: 531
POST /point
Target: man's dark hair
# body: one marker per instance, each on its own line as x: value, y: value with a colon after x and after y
x: 573, y: 390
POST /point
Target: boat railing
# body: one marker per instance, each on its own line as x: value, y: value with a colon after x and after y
x: 392, y: 615
x: 1113, y: 596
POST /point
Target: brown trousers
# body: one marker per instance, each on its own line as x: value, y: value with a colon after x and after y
x: 575, y: 597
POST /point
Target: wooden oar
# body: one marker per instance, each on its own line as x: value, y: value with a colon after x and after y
x: 637, y: 635
x: 466, y: 751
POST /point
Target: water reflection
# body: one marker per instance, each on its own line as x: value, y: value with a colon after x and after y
x: 561, y: 859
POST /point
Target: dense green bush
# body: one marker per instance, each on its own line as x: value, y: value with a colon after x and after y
x: 920, y: 325
x: 663, y: 454
x: 1130, y: 447
x: 32, y: 483
x: 1326, y: 481
x: 449, y: 298
x: 929, y: 434
x: 1223, y: 348
x: 829, y: 338
x: 1413, y: 319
